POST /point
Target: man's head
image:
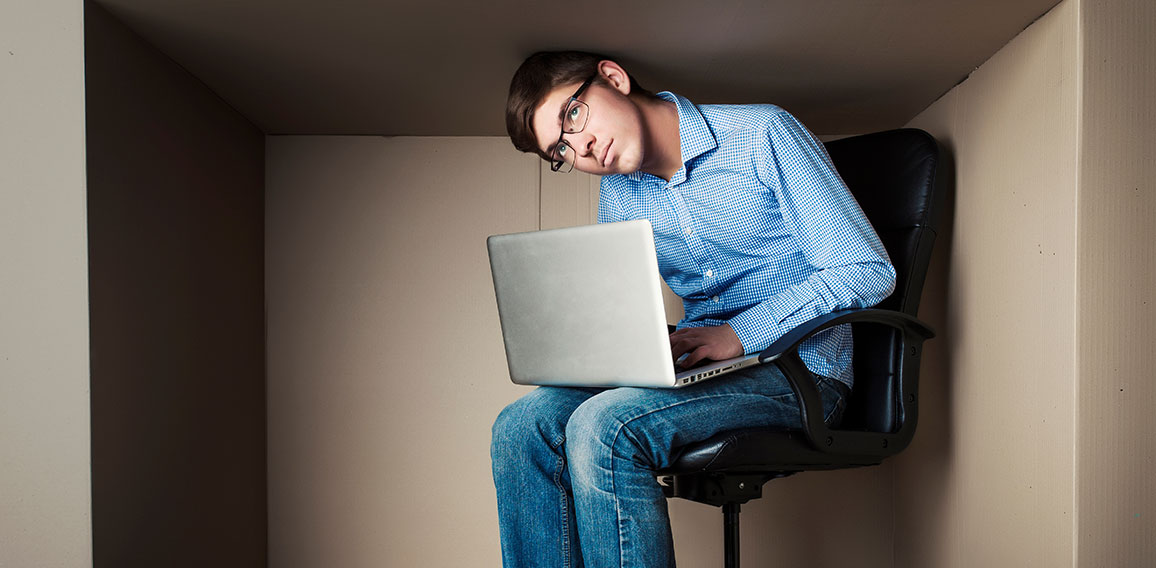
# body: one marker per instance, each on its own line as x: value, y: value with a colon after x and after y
x: 551, y: 79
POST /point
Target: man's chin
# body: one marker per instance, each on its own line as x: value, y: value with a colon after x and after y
x: 621, y: 165
x: 626, y: 165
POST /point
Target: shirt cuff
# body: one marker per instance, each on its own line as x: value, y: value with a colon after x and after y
x: 763, y: 323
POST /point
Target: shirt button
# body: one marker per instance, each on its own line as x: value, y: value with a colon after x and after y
x: 714, y: 299
x: 687, y: 230
x: 709, y: 273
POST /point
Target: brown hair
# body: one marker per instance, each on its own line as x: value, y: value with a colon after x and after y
x: 539, y: 74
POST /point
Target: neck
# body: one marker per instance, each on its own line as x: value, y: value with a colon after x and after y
x: 663, y: 145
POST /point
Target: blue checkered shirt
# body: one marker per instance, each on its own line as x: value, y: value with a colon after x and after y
x: 756, y: 229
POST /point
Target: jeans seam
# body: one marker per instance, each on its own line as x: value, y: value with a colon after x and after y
x: 565, y: 512
x: 555, y: 444
x: 821, y: 385
x: 614, y: 492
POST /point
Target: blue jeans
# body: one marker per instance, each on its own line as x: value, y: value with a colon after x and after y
x: 575, y: 467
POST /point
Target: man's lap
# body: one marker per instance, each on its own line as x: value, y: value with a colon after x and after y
x: 663, y: 419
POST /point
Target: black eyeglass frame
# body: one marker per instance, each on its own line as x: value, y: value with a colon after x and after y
x: 556, y: 164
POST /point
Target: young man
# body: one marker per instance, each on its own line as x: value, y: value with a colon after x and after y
x: 754, y: 230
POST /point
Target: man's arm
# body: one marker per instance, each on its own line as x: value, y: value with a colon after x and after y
x: 851, y: 266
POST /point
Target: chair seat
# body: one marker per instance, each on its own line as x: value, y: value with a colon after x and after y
x: 760, y: 450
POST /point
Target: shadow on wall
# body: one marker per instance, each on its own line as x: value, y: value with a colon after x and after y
x: 922, y: 472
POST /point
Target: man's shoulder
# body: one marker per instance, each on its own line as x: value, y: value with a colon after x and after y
x: 743, y: 117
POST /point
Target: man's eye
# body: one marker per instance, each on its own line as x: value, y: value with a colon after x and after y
x: 574, y: 112
x: 562, y: 149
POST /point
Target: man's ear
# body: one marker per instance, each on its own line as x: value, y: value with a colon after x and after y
x: 615, y: 76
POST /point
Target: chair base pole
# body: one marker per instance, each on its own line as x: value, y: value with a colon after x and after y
x: 731, y: 535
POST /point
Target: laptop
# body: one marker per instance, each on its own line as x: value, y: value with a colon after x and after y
x: 582, y: 306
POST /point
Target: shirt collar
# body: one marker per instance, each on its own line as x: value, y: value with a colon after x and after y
x: 695, y: 136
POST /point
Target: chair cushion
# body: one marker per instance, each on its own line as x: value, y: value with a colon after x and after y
x: 759, y: 450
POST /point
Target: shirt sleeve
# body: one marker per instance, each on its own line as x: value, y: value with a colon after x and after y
x: 851, y: 267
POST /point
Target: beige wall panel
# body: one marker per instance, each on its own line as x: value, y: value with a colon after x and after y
x: 45, y: 510
x: 386, y: 366
x: 1117, y: 278
x: 924, y: 498
x: 568, y: 199
x: 988, y: 480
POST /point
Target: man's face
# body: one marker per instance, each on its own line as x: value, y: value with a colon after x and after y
x: 612, y: 141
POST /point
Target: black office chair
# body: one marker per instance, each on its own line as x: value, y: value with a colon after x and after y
x: 895, y: 178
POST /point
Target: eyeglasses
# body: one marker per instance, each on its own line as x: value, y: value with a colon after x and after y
x: 574, y: 117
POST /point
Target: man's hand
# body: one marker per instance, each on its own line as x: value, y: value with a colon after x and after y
x: 700, y: 343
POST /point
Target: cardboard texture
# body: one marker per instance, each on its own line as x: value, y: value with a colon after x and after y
x: 1116, y: 261
x: 1040, y: 453
x: 988, y: 480
x: 569, y: 199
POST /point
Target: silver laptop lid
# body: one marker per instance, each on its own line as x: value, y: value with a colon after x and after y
x: 582, y: 306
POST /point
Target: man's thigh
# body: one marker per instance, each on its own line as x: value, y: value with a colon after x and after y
x: 657, y: 421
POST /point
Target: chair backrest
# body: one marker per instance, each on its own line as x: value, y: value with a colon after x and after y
x: 896, y: 179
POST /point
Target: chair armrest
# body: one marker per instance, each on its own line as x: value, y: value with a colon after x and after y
x: 784, y: 353
x: 792, y: 339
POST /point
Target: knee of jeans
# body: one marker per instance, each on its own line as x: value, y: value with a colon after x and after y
x: 523, y: 423
x: 591, y: 433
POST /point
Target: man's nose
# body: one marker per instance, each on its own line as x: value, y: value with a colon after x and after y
x: 582, y: 143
